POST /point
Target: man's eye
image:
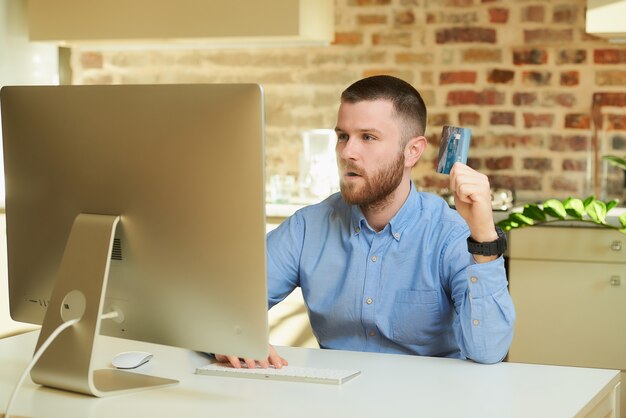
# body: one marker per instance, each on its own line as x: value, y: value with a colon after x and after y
x: 342, y: 137
x: 368, y: 137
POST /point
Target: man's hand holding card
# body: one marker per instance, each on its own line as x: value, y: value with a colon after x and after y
x: 472, y: 194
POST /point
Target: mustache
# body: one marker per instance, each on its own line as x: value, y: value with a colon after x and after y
x: 349, y: 167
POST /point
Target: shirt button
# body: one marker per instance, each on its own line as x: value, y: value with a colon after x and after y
x: 396, y: 235
x: 473, y: 279
x: 475, y: 322
x: 372, y: 334
x: 374, y: 258
x: 357, y: 229
x: 369, y: 301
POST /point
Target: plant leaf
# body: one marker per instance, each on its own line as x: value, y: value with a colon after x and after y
x: 596, y: 210
x: 610, y: 205
x: 588, y: 200
x: 616, y: 161
x: 521, y: 218
x: 534, y: 212
x: 574, y: 207
x: 554, y: 208
x: 622, y: 219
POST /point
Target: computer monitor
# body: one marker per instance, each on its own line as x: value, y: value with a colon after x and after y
x: 181, y: 167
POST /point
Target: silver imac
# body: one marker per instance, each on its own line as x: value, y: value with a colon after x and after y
x: 143, y: 200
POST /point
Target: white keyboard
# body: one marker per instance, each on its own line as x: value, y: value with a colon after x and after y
x: 289, y: 373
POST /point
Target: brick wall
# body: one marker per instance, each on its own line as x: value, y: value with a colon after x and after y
x: 522, y: 74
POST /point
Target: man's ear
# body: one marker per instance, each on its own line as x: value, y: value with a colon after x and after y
x: 413, y: 150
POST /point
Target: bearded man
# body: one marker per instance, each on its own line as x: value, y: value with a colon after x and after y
x: 385, y: 268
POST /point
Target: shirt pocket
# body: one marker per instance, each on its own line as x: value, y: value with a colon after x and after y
x: 416, y: 316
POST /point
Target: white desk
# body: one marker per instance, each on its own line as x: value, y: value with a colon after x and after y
x: 389, y: 386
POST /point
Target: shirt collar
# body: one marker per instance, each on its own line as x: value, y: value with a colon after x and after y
x: 411, y: 208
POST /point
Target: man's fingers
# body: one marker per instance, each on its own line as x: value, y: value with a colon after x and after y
x: 273, y: 359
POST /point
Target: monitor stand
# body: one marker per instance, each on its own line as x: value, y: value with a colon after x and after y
x: 79, y: 292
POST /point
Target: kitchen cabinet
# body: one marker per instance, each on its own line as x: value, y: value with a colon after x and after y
x: 569, y: 289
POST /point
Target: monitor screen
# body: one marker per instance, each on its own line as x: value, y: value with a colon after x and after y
x: 182, y: 166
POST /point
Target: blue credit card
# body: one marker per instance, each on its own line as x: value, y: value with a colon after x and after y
x: 454, y: 147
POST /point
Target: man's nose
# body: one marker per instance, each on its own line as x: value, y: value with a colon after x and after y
x: 347, y: 150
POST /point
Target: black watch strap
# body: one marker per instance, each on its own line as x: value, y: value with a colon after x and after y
x: 497, y: 247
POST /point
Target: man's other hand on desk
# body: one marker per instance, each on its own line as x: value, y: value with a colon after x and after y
x: 273, y: 359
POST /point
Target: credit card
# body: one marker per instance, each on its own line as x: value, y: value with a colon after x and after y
x: 454, y: 147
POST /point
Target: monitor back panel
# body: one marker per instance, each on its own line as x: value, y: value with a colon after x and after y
x: 183, y: 165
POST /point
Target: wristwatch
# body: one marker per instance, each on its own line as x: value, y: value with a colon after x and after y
x: 497, y: 247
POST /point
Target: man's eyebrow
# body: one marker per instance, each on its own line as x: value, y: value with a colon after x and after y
x: 338, y: 129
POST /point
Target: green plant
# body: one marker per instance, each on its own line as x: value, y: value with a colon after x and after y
x: 616, y: 161
x: 590, y: 210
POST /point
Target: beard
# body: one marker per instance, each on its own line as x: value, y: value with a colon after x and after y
x: 378, y: 188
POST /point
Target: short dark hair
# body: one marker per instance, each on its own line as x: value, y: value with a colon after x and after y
x: 406, y: 100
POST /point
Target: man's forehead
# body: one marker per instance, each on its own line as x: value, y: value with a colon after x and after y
x: 368, y: 115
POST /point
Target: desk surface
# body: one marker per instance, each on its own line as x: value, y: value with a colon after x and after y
x: 390, y: 385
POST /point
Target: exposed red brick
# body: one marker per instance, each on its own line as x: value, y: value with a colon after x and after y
x: 417, y: 58
x: 616, y: 122
x: 371, y: 2
x: 533, y: 14
x: 498, y: 15
x: 543, y: 36
x: 502, y: 118
x: 525, y: 99
x: 543, y: 120
x: 514, y: 141
x: 577, y: 121
x: 515, y: 183
x: 434, y: 182
x: 609, y: 99
x: 499, y: 163
x: 457, y: 77
x: 558, y: 99
x: 500, y: 76
x: 439, y: 119
x: 570, y: 78
x: 404, y: 75
x: 401, y: 39
x: 459, y: 3
x: 475, y: 163
x: 476, y: 55
x: 431, y: 18
x: 609, y: 56
x: 565, y: 13
x: 348, y: 38
x: 530, y: 56
x: 536, y: 78
x: 611, y: 78
x: 571, y: 56
x: 538, y: 164
x: 371, y: 19
x: 465, y: 35
x: 485, y: 97
x: 563, y: 184
x: 90, y: 60
x: 574, y: 165
x: 469, y: 118
x: 405, y: 17
x: 569, y: 143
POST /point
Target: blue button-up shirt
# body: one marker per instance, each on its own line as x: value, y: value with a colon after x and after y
x: 411, y: 288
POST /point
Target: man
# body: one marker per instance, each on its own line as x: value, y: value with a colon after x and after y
x: 382, y: 267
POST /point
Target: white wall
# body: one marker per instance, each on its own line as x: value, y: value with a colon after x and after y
x: 21, y: 62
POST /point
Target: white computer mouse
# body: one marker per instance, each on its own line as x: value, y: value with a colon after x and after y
x: 130, y: 359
